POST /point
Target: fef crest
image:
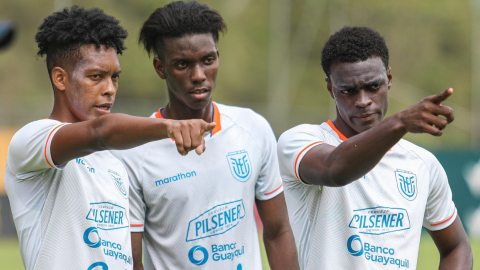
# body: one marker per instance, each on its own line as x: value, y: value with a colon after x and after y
x: 407, y: 184
x: 240, y: 165
x: 117, y: 180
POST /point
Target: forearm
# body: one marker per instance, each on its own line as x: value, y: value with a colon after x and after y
x: 137, y: 238
x: 354, y: 157
x: 458, y: 259
x: 121, y: 131
x: 281, y: 250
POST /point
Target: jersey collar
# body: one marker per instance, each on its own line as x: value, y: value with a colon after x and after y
x: 215, y: 118
x: 340, y: 135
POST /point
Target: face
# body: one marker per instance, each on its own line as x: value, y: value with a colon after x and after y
x: 190, y: 67
x: 91, y: 86
x: 360, y: 91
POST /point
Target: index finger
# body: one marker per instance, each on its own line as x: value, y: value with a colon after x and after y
x: 207, y: 127
x: 439, y: 98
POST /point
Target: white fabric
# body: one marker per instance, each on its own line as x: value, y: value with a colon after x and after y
x: 195, y: 211
x: 370, y: 223
x: 73, y: 216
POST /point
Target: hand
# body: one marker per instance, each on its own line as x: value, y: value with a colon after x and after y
x: 424, y: 117
x: 188, y: 135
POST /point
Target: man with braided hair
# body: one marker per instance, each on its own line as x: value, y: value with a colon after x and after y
x: 69, y: 195
x: 199, y: 214
x: 357, y: 193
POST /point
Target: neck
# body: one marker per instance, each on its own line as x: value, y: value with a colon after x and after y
x: 179, y: 111
x: 61, y: 112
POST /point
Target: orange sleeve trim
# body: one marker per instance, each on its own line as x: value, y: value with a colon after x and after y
x: 340, y: 135
x: 216, y: 119
x: 299, y: 154
x: 281, y: 185
x: 136, y: 225
x: 436, y: 224
x: 46, y: 144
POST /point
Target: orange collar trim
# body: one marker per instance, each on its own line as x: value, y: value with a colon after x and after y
x: 215, y: 118
x: 340, y: 135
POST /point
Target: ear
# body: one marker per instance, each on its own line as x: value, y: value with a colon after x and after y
x: 159, y: 68
x: 329, y: 87
x: 389, y: 76
x: 59, y: 78
x: 218, y: 53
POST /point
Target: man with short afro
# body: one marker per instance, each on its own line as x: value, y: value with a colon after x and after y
x: 198, y: 212
x: 69, y: 196
x: 357, y: 193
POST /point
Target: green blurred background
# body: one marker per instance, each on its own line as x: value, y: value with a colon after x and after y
x: 270, y: 62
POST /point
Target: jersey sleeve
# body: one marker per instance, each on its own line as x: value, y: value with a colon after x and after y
x: 29, y: 151
x: 292, y: 147
x: 133, y: 159
x: 440, y: 211
x: 269, y: 183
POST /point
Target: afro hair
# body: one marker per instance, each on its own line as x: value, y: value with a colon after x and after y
x: 176, y: 20
x: 63, y: 33
x: 353, y: 44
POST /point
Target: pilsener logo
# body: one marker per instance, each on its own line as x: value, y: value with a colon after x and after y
x: 216, y: 220
x: 380, y: 220
x: 198, y: 255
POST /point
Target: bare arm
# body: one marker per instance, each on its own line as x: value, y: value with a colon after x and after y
x: 277, y: 234
x: 121, y: 131
x: 454, y: 247
x: 338, y: 166
x: 137, y: 250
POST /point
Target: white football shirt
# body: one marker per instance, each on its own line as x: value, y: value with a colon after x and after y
x: 372, y: 223
x: 73, y: 216
x: 197, y: 212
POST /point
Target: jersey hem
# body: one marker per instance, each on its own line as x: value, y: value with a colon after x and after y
x: 48, y: 143
x: 443, y: 224
x: 300, y: 156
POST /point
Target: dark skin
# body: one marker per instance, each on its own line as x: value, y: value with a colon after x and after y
x: 190, y: 63
x: 360, y: 90
x: 84, y: 95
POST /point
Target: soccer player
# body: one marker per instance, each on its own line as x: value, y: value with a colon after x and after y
x: 198, y: 212
x: 69, y: 196
x: 357, y: 193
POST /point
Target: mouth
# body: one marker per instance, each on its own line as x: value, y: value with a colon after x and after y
x: 104, y: 108
x: 365, y: 117
x: 200, y: 93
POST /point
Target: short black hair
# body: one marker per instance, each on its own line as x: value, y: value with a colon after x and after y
x: 353, y: 44
x: 63, y: 33
x: 176, y: 20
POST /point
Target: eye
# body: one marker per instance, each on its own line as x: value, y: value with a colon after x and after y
x: 209, y: 60
x: 181, y: 64
x: 115, y: 77
x: 348, y: 91
x: 96, y: 76
x: 375, y: 86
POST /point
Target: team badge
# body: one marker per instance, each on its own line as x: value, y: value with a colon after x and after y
x: 117, y: 180
x: 240, y: 165
x: 407, y: 184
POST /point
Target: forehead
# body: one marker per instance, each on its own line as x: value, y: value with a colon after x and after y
x: 361, y: 71
x: 98, y: 58
x: 189, y: 45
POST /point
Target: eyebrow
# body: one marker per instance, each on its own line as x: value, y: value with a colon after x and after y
x: 103, y: 71
x: 368, y: 84
x: 188, y: 59
x: 377, y: 81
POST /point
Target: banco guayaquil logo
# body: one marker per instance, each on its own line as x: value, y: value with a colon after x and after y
x: 240, y: 165
x: 117, y: 180
x: 198, y: 255
x: 355, y: 246
x: 407, y: 184
x: 99, y: 266
x: 91, y: 237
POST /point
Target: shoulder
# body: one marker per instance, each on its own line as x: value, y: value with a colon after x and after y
x: 244, y: 117
x: 35, y: 129
x: 409, y: 148
x: 303, y: 131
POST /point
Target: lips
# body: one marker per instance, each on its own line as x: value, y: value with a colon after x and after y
x: 104, y: 108
x: 199, y: 91
x: 365, y: 117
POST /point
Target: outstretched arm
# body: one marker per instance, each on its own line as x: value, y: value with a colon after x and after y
x: 277, y: 234
x: 327, y: 165
x: 454, y: 247
x: 121, y: 131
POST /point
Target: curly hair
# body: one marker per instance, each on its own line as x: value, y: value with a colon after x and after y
x: 353, y: 44
x: 176, y: 20
x: 63, y: 33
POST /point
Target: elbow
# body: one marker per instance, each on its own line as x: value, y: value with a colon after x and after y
x: 100, y: 133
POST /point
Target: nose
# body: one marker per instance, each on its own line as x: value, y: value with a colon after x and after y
x: 198, y: 74
x: 111, y: 88
x: 363, y: 99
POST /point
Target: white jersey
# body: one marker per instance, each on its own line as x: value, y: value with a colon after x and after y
x: 372, y: 223
x: 197, y: 212
x: 73, y: 216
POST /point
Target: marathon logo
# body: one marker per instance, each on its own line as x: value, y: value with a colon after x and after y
x: 215, y: 221
x: 380, y: 220
x: 108, y: 216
